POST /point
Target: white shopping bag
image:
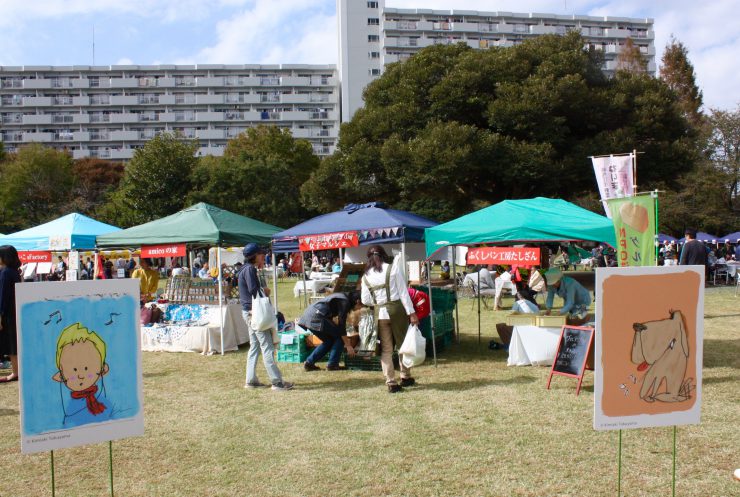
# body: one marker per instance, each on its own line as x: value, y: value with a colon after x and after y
x: 263, y: 314
x: 413, y: 350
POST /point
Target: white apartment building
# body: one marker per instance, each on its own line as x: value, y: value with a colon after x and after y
x: 108, y: 112
x: 372, y: 35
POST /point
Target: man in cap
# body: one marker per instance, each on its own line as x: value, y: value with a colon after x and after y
x: 576, y: 298
x: 693, y: 253
x: 249, y: 288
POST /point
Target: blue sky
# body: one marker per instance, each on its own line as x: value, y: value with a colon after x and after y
x: 60, y: 32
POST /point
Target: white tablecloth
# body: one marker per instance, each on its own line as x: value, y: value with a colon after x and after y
x: 532, y: 345
x: 203, y: 336
x: 732, y: 268
x: 312, y: 286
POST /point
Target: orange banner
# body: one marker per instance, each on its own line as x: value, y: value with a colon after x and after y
x: 529, y: 256
x: 328, y: 241
x: 27, y: 256
x: 177, y: 250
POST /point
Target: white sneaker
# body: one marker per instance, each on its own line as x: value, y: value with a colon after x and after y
x: 283, y: 386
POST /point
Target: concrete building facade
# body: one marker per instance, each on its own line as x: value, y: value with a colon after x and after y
x: 372, y: 35
x: 108, y: 112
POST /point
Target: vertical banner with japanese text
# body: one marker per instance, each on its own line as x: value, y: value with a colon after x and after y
x: 615, y: 177
x: 634, y: 227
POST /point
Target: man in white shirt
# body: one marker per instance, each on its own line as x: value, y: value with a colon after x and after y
x: 203, y: 273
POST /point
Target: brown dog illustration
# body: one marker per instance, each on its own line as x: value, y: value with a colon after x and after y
x: 662, y: 348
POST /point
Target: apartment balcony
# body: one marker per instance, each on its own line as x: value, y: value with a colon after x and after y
x: 124, y: 118
x: 37, y: 137
x: 124, y: 135
x: 166, y: 99
x: 80, y: 154
x: 540, y: 29
x: 62, y: 118
x: 313, y: 133
x: 13, y: 119
x: 81, y: 136
x: 80, y: 118
x: 124, y: 82
x: 215, y: 151
x: 34, y: 84
x: 100, y: 118
x: 99, y: 100
x: 210, y: 134
x: 11, y: 136
x: 82, y: 101
x: 64, y: 136
x: 204, y: 81
x: 269, y: 98
x: 100, y: 135
x: 184, y: 99
x: 148, y: 99
x: 147, y: 82
x: 146, y: 117
x: 241, y: 81
x: 11, y: 83
x: 270, y: 81
x: 617, y: 33
x: 167, y: 117
x: 37, y: 101
x: 165, y: 82
x: 11, y: 100
x: 121, y: 153
x: 217, y: 116
x: 80, y: 83
x: 37, y: 119
x: 209, y: 99
x: 124, y: 99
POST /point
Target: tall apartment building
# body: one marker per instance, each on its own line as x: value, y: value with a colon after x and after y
x: 372, y: 35
x: 108, y: 112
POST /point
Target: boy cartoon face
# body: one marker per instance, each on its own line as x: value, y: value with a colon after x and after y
x: 80, y: 366
x: 80, y: 358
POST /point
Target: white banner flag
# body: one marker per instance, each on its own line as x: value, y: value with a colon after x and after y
x: 614, y: 177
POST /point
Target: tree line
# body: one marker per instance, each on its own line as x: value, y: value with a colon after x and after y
x: 446, y: 132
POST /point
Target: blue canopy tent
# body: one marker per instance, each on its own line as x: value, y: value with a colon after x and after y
x: 666, y: 238
x: 373, y: 222
x: 71, y: 232
x: 702, y: 237
x: 731, y: 237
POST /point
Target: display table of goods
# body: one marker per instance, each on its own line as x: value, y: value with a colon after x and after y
x: 195, y: 328
x: 534, y: 339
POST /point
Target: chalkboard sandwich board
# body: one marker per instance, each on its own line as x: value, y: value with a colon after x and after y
x: 573, y: 351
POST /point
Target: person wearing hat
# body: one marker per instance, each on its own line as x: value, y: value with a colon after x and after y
x: 576, y: 298
x: 327, y: 319
x: 693, y: 253
x: 249, y: 288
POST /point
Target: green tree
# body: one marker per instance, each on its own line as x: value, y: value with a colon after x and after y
x: 260, y: 176
x: 95, y: 179
x: 723, y: 150
x: 678, y: 73
x: 453, y: 129
x: 155, y: 183
x: 35, y: 186
x: 3, y: 154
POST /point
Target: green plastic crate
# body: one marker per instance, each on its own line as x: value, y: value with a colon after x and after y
x: 370, y: 363
x: 294, y: 357
x: 298, y: 345
x: 442, y: 299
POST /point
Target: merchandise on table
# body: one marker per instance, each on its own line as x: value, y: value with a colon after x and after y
x: 518, y: 318
x: 550, y: 321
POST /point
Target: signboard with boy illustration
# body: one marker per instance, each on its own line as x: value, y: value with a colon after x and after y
x: 80, y: 363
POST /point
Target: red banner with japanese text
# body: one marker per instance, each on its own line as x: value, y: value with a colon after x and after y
x: 328, y: 241
x: 517, y: 256
x: 27, y: 256
x: 177, y: 250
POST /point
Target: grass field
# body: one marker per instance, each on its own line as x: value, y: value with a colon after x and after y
x: 474, y: 427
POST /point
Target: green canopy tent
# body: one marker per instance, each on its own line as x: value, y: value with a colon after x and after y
x: 199, y: 224
x: 521, y: 221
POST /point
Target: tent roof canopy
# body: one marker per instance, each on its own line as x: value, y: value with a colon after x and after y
x: 519, y: 221
x: 374, y: 222
x: 703, y: 237
x: 732, y: 237
x: 198, y: 224
x: 73, y: 231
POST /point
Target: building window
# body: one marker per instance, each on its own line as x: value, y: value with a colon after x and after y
x: 372, y: 5
x: 374, y: 72
x: 373, y: 55
x: 373, y: 21
x: 373, y: 38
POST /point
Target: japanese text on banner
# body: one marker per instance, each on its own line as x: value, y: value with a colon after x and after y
x: 328, y: 241
x: 504, y: 255
x: 634, y: 227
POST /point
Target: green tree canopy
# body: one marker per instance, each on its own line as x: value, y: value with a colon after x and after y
x: 35, y: 185
x: 453, y: 129
x: 678, y: 73
x: 260, y: 176
x: 156, y: 182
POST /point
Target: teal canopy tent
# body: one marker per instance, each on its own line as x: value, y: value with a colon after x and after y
x: 71, y: 232
x: 522, y: 221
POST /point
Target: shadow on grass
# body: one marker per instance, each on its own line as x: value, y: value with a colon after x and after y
x: 710, y: 316
x: 8, y: 412
x: 474, y: 383
x: 721, y: 379
x: 157, y: 374
x: 721, y: 353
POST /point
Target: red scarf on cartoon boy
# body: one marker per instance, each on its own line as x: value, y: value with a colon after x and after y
x: 88, y: 394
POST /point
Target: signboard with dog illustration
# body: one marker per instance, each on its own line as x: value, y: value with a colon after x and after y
x: 80, y: 363
x: 648, y: 346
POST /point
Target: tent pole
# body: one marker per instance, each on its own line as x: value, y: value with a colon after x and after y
x: 274, y: 277
x: 220, y: 297
x: 96, y: 273
x: 479, y: 307
x: 454, y: 282
x: 303, y: 272
x: 431, y: 309
x: 190, y: 263
x: 341, y: 258
x: 404, y: 266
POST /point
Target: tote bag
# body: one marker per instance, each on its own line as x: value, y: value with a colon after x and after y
x: 263, y: 314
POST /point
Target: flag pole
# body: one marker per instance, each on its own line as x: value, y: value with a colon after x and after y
x: 634, y: 171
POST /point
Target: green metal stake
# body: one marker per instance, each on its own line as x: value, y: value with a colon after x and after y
x: 53, y: 490
x: 110, y: 460
x: 619, y: 466
x: 674, y: 461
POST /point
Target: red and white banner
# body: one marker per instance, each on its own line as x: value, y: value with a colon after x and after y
x: 27, y: 256
x: 517, y: 256
x: 615, y: 177
x: 328, y: 241
x: 177, y: 250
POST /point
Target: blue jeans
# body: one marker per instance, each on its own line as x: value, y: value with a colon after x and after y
x: 264, y: 339
x: 333, y: 345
